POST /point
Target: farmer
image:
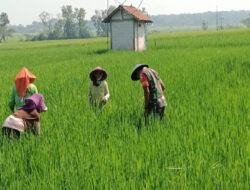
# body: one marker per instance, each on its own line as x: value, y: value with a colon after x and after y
x: 153, y: 87
x: 22, y: 89
x: 98, y: 89
x: 26, y: 118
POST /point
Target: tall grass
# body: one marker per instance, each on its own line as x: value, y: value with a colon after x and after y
x: 201, y: 144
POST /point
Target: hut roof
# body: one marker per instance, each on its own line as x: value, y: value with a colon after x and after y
x: 136, y: 13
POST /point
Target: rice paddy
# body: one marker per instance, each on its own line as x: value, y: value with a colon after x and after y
x: 202, y: 143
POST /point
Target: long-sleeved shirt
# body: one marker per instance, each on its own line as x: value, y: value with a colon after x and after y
x: 15, y: 100
x: 97, y: 93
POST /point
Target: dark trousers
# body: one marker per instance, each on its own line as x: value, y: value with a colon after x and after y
x: 156, y: 111
x: 10, y: 133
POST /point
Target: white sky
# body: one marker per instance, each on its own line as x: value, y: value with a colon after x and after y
x: 26, y: 11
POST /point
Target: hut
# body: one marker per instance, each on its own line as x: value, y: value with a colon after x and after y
x: 128, y: 28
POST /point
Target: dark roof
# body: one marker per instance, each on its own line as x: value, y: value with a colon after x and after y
x: 136, y: 13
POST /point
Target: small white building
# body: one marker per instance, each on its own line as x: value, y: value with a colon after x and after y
x: 128, y: 28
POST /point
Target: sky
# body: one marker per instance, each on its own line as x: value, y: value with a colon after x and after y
x: 25, y: 11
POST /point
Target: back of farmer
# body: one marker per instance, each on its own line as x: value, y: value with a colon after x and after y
x: 26, y: 118
x: 153, y: 87
x: 22, y: 89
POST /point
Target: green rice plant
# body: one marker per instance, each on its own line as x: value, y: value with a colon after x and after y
x: 202, y: 143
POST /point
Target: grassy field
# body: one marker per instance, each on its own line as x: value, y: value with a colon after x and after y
x: 203, y: 142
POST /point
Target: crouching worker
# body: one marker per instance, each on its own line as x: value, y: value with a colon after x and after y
x: 98, y: 89
x: 23, y: 88
x: 153, y: 87
x: 26, y: 118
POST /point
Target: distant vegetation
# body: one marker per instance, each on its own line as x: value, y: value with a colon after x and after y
x: 98, y: 17
x: 4, y: 30
x: 71, y: 23
x: 224, y: 17
x: 246, y: 22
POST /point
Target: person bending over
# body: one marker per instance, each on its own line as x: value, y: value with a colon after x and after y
x: 22, y: 89
x: 26, y: 118
x: 153, y: 87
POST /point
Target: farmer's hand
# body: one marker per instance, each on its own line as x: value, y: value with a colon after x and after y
x: 104, y: 100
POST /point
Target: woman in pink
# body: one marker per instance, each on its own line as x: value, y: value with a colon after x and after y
x: 26, y: 118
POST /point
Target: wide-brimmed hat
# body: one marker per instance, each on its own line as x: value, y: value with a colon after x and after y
x: 136, y: 68
x: 104, y: 76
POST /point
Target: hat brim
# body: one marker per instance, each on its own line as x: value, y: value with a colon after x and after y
x: 92, y: 74
x: 138, y: 67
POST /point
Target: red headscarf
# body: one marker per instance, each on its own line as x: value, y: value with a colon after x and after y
x: 22, y: 81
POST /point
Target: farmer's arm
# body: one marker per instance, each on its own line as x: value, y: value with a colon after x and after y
x: 106, y: 93
x: 12, y: 99
x: 33, y: 89
x: 145, y: 86
x: 162, y: 85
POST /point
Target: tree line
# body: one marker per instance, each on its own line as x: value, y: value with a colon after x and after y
x: 228, y: 18
x: 71, y: 23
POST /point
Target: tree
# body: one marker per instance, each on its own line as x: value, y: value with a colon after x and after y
x: 45, y: 18
x: 4, y: 31
x: 58, y: 30
x: 4, y: 20
x: 246, y: 22
x: 69, y: 26
x: 81, y: 23
x: 98, y: 17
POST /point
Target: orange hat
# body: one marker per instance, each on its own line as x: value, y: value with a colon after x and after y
x: 22, y: 81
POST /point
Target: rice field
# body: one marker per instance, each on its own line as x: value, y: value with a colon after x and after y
x: 202, y: 143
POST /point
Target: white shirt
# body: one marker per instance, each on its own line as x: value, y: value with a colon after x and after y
x: 97, y: 93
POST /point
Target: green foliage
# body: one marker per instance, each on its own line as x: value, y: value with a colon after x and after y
x: 4, y: 20
x: 33, y: 28
x: 98, y: 17
x: 246, y: 22
x: 40, y: 37
x: 71, y: 24
x: 46, y: 20
x: 4, y: 31
x: 201, y: 144
x: 81, y: 23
